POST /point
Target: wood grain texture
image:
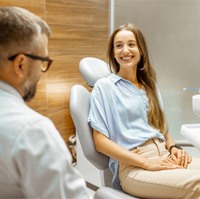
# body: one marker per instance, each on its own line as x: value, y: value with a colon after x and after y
x: 79, y: 28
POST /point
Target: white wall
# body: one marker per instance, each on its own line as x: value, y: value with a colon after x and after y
x: 172, y: 31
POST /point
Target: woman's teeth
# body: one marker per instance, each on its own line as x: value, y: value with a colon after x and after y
x: 126, y: 58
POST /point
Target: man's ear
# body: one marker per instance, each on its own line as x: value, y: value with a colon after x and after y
x: 20, y: 65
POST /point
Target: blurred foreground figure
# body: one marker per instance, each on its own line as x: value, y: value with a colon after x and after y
x: 34, y: 160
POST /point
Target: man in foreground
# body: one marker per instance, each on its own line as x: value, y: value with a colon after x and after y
x: 34, y: 160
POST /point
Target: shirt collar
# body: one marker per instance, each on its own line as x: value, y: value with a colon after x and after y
x: 10, y: 89
x: 114, y: 78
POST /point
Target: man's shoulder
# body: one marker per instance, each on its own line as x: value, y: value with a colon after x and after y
x: 15, y: 115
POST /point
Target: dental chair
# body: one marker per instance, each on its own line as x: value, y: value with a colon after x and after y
x: 93, y: 69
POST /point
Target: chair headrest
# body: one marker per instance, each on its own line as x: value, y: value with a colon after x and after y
x: 93, y: 69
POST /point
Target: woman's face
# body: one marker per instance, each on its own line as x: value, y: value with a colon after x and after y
x: 126, y: 51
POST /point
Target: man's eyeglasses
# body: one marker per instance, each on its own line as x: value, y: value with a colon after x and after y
x: 46, y: 61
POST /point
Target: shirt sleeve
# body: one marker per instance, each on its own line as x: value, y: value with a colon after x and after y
x: 97, y: 114
x: 43, y: 163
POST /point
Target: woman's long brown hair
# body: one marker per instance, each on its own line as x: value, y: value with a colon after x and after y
x: 145, y: 75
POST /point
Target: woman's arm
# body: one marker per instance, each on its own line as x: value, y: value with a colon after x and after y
x: 169, y: 141
x: 119, y: 153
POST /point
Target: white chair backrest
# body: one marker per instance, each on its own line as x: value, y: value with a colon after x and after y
x: 79, y: 109
x: 93, y: 69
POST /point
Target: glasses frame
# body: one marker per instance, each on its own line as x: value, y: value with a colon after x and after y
x: 35, y: 57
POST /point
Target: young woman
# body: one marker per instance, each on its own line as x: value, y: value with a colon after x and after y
x: 129, y: 125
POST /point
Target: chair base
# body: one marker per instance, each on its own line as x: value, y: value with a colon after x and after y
x: 110, y: 193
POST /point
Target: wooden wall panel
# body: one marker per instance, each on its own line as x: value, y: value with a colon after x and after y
x: 79, y: 28
x: 82, y: 31
x: 36, y: 6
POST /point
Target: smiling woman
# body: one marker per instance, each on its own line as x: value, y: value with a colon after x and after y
x: 130, y: 127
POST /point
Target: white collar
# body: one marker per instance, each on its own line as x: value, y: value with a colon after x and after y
x: 10, y: 89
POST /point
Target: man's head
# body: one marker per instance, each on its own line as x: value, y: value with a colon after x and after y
x: 23, y: 49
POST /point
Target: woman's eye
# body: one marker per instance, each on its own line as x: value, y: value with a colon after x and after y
x: 132, y: 44
x: 118, y: 46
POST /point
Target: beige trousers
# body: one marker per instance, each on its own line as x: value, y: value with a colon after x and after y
x: 164, y: 184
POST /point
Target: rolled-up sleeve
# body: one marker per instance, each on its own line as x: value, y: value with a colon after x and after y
x: 97, y: 114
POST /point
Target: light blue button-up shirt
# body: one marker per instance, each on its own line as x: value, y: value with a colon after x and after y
x: 119, y: 111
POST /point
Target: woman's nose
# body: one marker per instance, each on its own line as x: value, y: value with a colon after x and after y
x: 125, y: 48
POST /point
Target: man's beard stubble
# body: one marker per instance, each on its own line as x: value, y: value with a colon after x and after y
x: 29, y: 92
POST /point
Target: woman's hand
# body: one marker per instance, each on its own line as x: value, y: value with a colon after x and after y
x: 177, y: 155
x: 180, y: 157
x: 161, y: 164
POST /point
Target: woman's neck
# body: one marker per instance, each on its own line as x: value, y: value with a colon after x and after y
x: 130, y: 76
